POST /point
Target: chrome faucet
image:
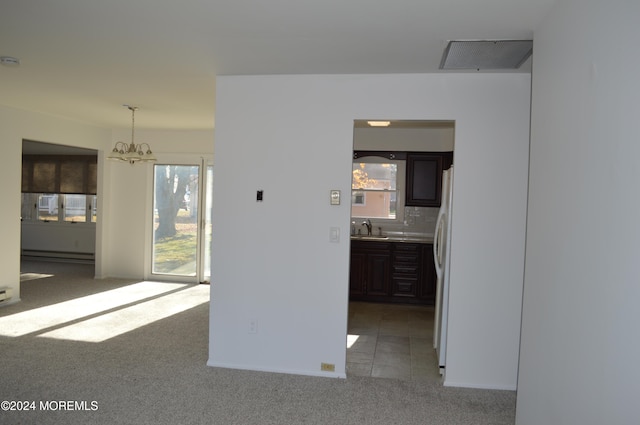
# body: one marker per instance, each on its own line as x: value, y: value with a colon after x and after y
x: 367, y: 223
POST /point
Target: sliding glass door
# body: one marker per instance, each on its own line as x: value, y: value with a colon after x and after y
x: 206, y: 235
x: 181, y: 229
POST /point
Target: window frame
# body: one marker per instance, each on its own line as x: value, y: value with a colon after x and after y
x: 30, y: 208
x: 374, y: 158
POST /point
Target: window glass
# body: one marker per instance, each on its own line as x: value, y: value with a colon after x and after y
x: 47, y: 207
x: 175, y: 220
x: 93, y: 207
x: 75, y: 208
x: 374, y: 190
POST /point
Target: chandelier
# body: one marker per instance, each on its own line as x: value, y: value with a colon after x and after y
x: 132, y: 152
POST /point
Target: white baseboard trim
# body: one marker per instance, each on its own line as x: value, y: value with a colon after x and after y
x: 480, y: 386
x: 213, y: 363
x: 9, y: 302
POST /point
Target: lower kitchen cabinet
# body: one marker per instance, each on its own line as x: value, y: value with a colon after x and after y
x: 405, y: 277
x: 357, y: 276
x: 370, y: 269
x: 427, y: 290
x: 377, y: 271
x: 398, y: 272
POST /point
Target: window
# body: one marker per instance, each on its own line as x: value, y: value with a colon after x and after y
x: 47, y: 207
x: 59, y: 188
x: 79, y: 208
x: 51, y: 207
x: 375, y: 188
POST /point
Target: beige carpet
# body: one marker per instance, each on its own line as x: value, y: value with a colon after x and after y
x: 157, y: 374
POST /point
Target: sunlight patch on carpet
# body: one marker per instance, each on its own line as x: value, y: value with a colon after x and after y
x: 54, y: 315
x: 33, y: 276
x: 118, y: 322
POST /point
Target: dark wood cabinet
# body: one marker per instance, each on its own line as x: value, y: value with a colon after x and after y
x: 357, y: 279
x: 370, y: 269
x: 424, y: 178
x: 398, y: 272
x: 405, y: 278
x: 377, y: 271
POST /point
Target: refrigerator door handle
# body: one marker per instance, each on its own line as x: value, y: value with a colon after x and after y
x: 437, y: 245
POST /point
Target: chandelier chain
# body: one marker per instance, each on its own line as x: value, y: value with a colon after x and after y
x: 133, y: 121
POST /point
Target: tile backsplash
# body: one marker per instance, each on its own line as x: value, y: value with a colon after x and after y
x: 418, y: 221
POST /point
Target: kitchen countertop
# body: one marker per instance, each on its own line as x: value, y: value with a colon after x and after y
x: 395, y: 238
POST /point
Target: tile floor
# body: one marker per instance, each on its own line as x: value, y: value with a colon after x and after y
x: 391, y: 341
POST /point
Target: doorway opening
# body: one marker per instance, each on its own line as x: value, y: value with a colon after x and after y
x: 396, y: 188
x: 59, y: 208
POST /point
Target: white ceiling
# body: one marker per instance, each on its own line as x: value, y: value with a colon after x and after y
x: 84, y: 59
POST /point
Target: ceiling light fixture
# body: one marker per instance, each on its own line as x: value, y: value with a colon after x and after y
x: 379, y: 123
x: 132, y: 153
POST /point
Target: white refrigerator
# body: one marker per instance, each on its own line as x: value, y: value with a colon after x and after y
x: 441, y: 251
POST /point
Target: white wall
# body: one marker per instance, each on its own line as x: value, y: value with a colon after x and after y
x: 16, y: 125
x: 291, y: 136
x: 580, y: 345
x: 79, y: 238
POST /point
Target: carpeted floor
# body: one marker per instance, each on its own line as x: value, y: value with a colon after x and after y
x: 157, y: 374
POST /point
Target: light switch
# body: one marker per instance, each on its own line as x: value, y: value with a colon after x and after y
x: 334, y: 234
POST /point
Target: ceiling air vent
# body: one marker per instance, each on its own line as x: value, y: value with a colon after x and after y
x: 486, y: 54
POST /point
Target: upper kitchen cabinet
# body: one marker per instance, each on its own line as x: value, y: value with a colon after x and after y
x: 424, y: 178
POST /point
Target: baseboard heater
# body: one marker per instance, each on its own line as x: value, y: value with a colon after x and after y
x: 59, y: 255
x: 5, y: 294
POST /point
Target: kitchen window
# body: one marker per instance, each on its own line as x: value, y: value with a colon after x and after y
x: 377, y: 188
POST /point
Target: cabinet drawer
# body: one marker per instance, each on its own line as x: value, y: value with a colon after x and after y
x: 370, y: 246
x: 404, y: 287
x: 405, y: 269
x: 406, y: 253
x: 406, y: 258
x: 406, y: 247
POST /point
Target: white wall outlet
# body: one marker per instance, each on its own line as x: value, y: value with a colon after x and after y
x: 253, y: 326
